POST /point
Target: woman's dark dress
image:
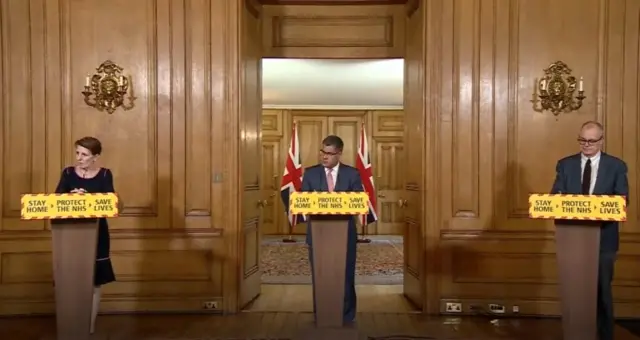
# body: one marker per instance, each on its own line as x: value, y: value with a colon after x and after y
x: 101, y: 183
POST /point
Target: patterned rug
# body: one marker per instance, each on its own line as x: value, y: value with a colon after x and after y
x: 378, y: 263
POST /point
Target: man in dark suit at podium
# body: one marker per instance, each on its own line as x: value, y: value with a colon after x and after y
x: 331, y: 175
x: 593, y: 172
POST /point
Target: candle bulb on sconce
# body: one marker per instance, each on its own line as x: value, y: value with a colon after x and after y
x: 121, y: 81
x: 87, y: 81
x: 581, y: 85
x: 555, y: 90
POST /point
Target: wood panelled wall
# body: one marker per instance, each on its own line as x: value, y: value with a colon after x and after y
x: 167, y: 154
x: 480, y: 146
x: 333, y: 31
x: 494, y: 149
x: 487, y: 149
x: 384, y: 133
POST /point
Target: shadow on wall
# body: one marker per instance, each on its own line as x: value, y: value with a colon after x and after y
x: 483, y: 257
x: 150, y: 289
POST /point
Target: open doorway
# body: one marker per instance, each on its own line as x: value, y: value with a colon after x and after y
x: 358, y: 100
x: 365, y: 36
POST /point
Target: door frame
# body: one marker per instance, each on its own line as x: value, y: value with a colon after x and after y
x: 430, y: 219
x: 431, y: 12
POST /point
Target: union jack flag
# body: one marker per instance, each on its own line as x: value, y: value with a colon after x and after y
x: 292, y: 177
x: 363, y: 164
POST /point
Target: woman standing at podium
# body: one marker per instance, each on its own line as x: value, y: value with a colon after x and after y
x: 88, y: 177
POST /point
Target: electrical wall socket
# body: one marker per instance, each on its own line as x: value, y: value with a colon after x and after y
x: 515, y: 309
x: 210, y: 305
x: 497, y: 309
x: 453, y: 307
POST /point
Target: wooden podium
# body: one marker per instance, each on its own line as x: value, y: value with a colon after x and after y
x: 577, y: 251
x: 577, y: 223
x: 74, y: 229
x: 329, y: 215
x: 329, y: 235
x: 74, y: 258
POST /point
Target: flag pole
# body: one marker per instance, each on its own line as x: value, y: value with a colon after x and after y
x: 363, y: 239
x: 289, y: 238
x: 363, y: 218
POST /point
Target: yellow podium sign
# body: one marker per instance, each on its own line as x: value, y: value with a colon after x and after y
x: 53, y: 206
x: 578, y: 207
x: 329, y: 203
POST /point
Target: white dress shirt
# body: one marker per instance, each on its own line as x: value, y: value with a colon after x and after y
x: 595, y: 161
x: 334, y: 174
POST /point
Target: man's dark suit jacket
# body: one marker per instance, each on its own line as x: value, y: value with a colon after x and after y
x: 315, y: 179
x: 610, y: 180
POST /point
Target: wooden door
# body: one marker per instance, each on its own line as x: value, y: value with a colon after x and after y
x: 412, y: 202
x: 346, y: 125
x: 270, y: 178
x: 313, y: 126
x: 347, y: 128
x: 386, y: 129
x: 275, y: 146
x: 387, y: 153
x: 311, y: 131
x: 389, y: 169
x: 252, y: 196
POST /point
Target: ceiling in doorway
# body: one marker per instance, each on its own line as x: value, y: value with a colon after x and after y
x: 315, y: 83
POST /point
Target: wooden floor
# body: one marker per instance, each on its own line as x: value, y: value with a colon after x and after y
x: 283, y: 312
x: 298, y: 298
x: 258, y: 325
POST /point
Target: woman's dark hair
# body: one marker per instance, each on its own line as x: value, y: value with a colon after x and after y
x: 90, y: 143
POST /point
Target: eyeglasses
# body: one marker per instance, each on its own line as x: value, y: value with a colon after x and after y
x: 328, y: 153
x: 583, y: 141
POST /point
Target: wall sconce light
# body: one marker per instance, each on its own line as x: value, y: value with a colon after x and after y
x: 556, y: 90
x: 105, y: 89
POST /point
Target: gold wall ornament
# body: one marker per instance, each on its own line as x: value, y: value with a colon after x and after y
x: 555, y: 91
x: 105, y: 89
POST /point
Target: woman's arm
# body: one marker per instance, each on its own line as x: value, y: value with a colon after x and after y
x: 63, y: 184
x: 109, y: 187
x: 108, y: 181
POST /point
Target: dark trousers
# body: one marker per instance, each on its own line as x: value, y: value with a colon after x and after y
x: 605, y: 296
x: 350, y: 299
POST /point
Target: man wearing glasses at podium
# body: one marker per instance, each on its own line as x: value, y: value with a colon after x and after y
x: 332, y: 175
x: 594, y: 172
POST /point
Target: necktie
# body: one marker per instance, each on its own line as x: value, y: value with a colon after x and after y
x: 330, y: 183
x: 586, y: 178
